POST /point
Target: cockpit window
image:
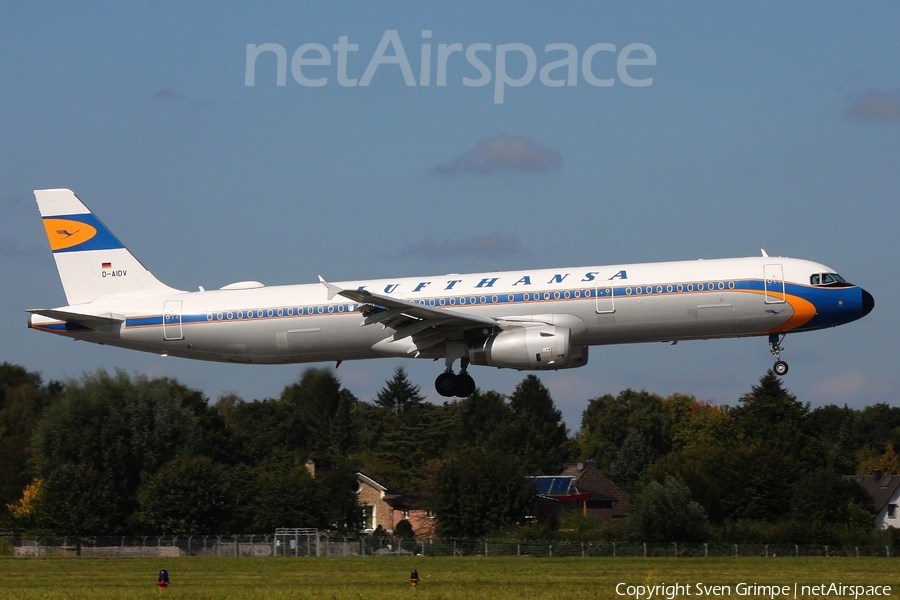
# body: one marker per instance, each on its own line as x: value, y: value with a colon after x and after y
x: 828, y: 280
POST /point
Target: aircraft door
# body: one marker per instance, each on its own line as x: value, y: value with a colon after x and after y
x: 172, y: 321
x: 606, y: 300
x: 773, y: 280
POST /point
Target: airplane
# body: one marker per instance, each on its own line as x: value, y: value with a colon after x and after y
x: 540, y: 319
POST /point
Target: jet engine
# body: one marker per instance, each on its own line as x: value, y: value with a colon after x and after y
x: 533, y: 348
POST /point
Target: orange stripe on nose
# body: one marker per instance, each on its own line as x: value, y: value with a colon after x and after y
x: 804, y: 311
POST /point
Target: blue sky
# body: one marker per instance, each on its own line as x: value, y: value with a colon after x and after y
x: 766, y: 126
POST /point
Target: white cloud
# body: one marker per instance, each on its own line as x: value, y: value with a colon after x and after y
x: 503, y: 153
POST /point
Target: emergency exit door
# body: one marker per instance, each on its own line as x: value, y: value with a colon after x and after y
x: 773, y: 280
x: 172, y: 321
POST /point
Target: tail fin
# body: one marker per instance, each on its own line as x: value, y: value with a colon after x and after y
x: 91, y: 261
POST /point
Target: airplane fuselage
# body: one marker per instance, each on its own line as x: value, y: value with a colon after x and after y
x: 527, y: 320
x: 617, y: 304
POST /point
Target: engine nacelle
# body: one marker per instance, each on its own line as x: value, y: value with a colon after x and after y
x: 530, y: 348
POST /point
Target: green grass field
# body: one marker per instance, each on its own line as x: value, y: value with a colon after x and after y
x: 500, y: 578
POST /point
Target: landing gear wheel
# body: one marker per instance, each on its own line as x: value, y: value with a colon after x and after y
x: 780, y: 367
x: 465, y: 386
x: 445, y: 384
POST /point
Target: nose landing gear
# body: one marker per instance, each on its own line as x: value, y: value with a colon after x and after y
x: 780, y: 367
x: 449, y: 384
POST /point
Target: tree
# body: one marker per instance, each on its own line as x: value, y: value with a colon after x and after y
x: 665, y: 512
x: 410, y: 441
x: 869, y: 460
x: 771, y: 413
x: 478, y: 421
x: 402, y: 435
x: 712, y: 473
x: 23, y: 397
x: 821, y: 497
x: 286, y: 495
x: 76, y: 500
x: 607, y: 419
x: 338, y: 490
x: 877, y: 425
x: 834, y: 427
x: 399, y: 395
x: 890, y: 464
x: 24, y: 510
x: 631, y: 460
x: 775, y: 448
x: 189, y: 495
x: 315, y: 415
x: 404, y: 530
x: 115, y: 432
x: 477, y: 492
x: 536, y: 433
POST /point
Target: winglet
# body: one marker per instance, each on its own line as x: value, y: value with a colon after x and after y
x: 764, y: 253
x: 333, y: 290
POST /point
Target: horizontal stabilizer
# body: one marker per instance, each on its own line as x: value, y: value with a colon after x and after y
x: 92, y: 321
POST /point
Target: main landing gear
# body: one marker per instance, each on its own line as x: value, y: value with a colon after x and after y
x: 780, y: 367
x: 449, y: 384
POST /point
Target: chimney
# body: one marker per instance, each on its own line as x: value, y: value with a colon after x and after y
x: 311, y: 467
x: 876, y: 474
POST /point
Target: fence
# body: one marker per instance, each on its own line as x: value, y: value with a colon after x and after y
x: 298, y: 544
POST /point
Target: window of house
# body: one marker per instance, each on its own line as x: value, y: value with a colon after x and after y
x: 368, y: 517
x: 405, y: 514
x: 892, y: 511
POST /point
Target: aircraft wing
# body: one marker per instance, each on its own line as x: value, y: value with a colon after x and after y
x: 412, y: 309
x: 417, y: 326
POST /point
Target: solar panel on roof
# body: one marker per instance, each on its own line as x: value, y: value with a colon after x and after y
x: 542, y: 484
x: 552, y: 485
x: 560, y: 485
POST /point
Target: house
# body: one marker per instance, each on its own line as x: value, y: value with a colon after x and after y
x: 374, y: 499
x: 580, y: 487
x: 385, y: 508
x: 607, y: 501
x: 556, y: 495
x: 884, y: 492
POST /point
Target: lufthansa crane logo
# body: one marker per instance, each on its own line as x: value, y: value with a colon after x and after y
x: 66, y: 233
